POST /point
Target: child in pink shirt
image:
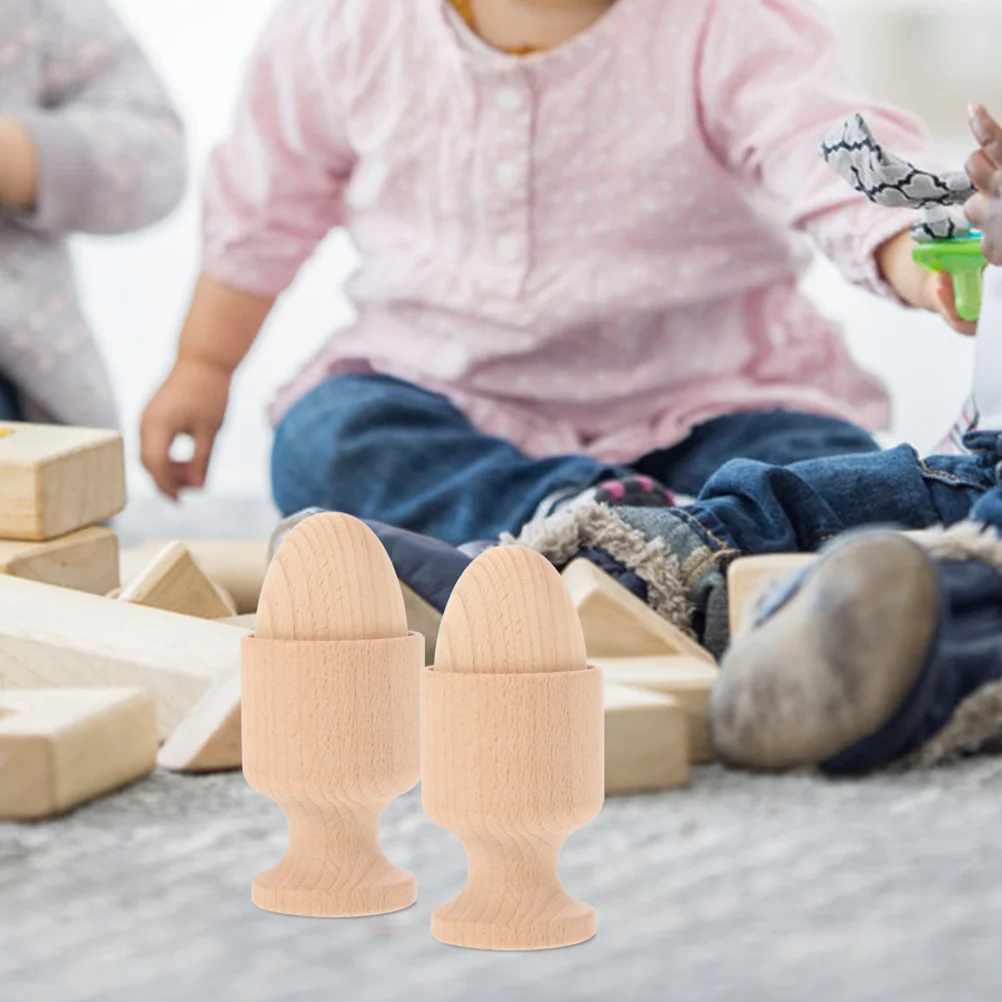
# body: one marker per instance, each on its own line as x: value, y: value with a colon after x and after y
x: 582, y: 225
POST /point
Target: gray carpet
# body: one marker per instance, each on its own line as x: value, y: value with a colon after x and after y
x: 740, y: 889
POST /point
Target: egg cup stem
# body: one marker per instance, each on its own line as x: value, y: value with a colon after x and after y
x: 330, y: 733
x: 512, y: 764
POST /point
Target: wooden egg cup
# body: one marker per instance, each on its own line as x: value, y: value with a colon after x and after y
x: 512, y: 752
x: 330, y: 719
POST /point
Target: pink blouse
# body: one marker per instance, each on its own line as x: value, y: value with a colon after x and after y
x: 591, y: 249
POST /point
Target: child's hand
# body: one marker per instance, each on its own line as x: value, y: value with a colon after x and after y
x: 18, y: 169
x: 918, y: 287
x: 192, y: 402
x: 984, y: 210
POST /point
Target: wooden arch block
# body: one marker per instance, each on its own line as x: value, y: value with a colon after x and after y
x: 61, y: 748
x: 55, y: 479
x: 512, y: 751
x: 330, y: 718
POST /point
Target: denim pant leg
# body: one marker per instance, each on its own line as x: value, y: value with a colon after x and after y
x: 379, y: 448
x: 10, y: 401
x: 753, y: 508
x: 775, y: 437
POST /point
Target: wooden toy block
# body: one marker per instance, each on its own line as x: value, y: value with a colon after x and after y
x: 57, y: 638
x: 86, y: 560
x: 61, y: 748
x: 748, y: 579
x: 237, y: 566
x: 208, y: 738
x: 330, y: 718
x: 174, y: 582
x: 646, y: 742
x: 617, y: 624
x: 55, y: 479
x: 512, y: 751
x: 689, y: 681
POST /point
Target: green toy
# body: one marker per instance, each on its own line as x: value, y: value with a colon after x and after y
x: 962, y: 258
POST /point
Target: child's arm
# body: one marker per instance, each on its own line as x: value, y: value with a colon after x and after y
x: 273, y: 192
x: 771, y: 89
x: 985, y: 169
x: 103, y: 150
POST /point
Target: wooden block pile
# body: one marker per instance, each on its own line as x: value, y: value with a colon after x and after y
x: 90, y: 684
x: 94, y: 676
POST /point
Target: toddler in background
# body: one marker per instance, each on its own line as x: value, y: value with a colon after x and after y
x: 88, y: 144
x: 582, y: 227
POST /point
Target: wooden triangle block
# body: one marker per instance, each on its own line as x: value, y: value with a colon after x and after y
x: 646, y: 742
x: 617, y: 624
x: 86, y: 560
x: 61, y: 748
x: 748, y: 579
x: 237, y: 566
x: 689, y: 681
x: 173, y: 581
x: 55, y: 479
x: 57, y: 638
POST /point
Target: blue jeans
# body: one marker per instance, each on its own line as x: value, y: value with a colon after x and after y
x: 753, y: 508
x: 379, y: 448
x: 10, y: 401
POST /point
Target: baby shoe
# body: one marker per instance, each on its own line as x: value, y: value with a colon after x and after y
x: 885, y: 650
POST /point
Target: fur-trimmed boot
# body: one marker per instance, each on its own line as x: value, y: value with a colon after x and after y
x: 886, y: 651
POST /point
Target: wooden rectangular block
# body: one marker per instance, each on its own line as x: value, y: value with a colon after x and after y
x: 173, y: 581
x: 56, y: 638
x: 617, y: 624
x: 61, y: 748
x: 689, y: 681
x: 237, y: 566
x: 748, y: 578
x: 646, y: 742
x: 86, y: 560
x: 54, y: 479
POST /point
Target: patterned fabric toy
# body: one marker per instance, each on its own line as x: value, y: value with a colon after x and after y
x: 889, y: 180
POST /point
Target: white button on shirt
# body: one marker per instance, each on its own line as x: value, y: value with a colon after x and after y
x: 507, y: 174
x: 509, y: 99
x: 507, y: 249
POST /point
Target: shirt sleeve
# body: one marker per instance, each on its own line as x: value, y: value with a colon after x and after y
x: 276, y: 187
x: 771, y: 89
x: 109, y: 145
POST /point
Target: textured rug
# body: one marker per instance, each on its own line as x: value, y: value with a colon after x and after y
x: 741, y: 888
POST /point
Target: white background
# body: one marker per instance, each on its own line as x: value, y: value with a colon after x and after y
x: 135, y: 289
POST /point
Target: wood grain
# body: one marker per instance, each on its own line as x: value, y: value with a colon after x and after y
x: 617, y: 624
x: 53, y: 637
x: 690, y: 681
x: 331, y: 718
x: 55, y: 479
x: 86, y: 560
x: 61, y: 748
x: 173, y: 581
x: 646, y: 742
x: 512, y: 752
